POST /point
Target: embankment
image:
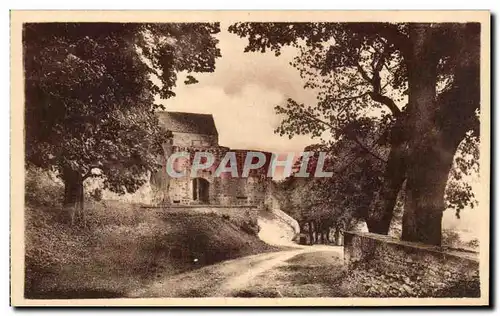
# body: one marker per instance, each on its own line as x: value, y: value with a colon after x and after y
x: 122, y: 247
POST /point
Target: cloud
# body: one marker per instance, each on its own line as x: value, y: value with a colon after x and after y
x: 245, y: 120
x: 242, y: 94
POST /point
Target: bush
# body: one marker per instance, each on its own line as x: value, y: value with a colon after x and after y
x: 473, y: 244
x: 450, y: 238
x: 96, y: 194
x: 250, y: 226
x: 42, y: 189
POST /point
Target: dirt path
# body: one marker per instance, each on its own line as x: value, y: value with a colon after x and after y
x: 268, y: 274
x: 231, y: 277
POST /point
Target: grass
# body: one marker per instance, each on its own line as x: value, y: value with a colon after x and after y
x: 311, y: 274
x: 123, y: 247
x: 316, y: 272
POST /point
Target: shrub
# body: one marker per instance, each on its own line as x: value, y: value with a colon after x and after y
x: 473, y: 244
x: 250, y: 226
x: 41, y: 188
x: 96, y: 194
x: 450, y: 238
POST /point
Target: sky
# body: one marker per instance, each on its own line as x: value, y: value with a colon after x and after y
x: 241, y: 95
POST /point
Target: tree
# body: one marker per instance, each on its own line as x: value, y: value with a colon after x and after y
x: 337, y: 202
x: 89, y: 96
x: 423, y: 79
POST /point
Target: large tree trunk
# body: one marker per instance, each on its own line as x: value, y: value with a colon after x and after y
x: 425, y: 188
x: 327, y: 234
x: 311, y: 232
x: 73, y: 193
x: 427, y: 170
x: 381, y: 212
x: 438, y: 124
x: 337, y: 236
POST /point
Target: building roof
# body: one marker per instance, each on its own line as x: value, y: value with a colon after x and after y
x: 183, y: 122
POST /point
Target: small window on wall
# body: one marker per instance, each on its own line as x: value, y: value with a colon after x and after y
x: 242, y: 198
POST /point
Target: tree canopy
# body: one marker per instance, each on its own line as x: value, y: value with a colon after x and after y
x: 417, y: 83
x: 90, y: 90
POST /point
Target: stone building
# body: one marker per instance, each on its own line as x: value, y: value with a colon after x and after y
x: 194, y: 132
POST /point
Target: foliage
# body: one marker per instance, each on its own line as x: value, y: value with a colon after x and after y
x: 451, y: 238
x: 250, y: 226
x: 96, y: 194
x: 344, y: 198
x: 41, y: 189
x: 472, y: 244
x: 90, y: 91
x: 459, y: 194
x: 360, y: 74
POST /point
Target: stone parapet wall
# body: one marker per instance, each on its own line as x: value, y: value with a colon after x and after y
x: 288, y: 220
x: 236, y: 211
x: 238, y: 214
x: 379, y: 265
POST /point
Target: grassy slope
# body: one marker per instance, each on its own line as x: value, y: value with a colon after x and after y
x: 124, y: 247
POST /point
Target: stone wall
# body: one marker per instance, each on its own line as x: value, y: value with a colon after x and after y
x: 381, y: 266
x: 222, y: 191
x: 161, y: 189
x: 225, y: 189
x: 221, y: 209
x: 194, y: 140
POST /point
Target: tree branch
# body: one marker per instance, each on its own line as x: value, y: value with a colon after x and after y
x: 398, y: 39
x: 376, y: 94
x: 377, y: 97
x: 314, y: 118
x: 347, y: 98
x: 369, y: 150
x: 363, y: 73
x: 90, y: 174
x: 356, y: 157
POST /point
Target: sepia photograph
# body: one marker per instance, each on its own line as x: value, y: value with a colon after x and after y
x: 256, y: 158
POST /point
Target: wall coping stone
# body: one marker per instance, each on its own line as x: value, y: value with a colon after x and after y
x: 197, y: 206
x: 459, y: 253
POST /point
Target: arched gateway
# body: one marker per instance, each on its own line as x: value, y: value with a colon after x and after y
x: 201, y: 190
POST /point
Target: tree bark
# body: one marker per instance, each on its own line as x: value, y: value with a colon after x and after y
x: 311, y: 233
x: 337, y: 236
x: 316, y: 232
x: 424, y: 204
x: 438, y: 123
x: 429, y: 162
x: 381, y: 213
x: 73, y: 189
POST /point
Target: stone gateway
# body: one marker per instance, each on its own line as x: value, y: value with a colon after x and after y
x: 194, y: 132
